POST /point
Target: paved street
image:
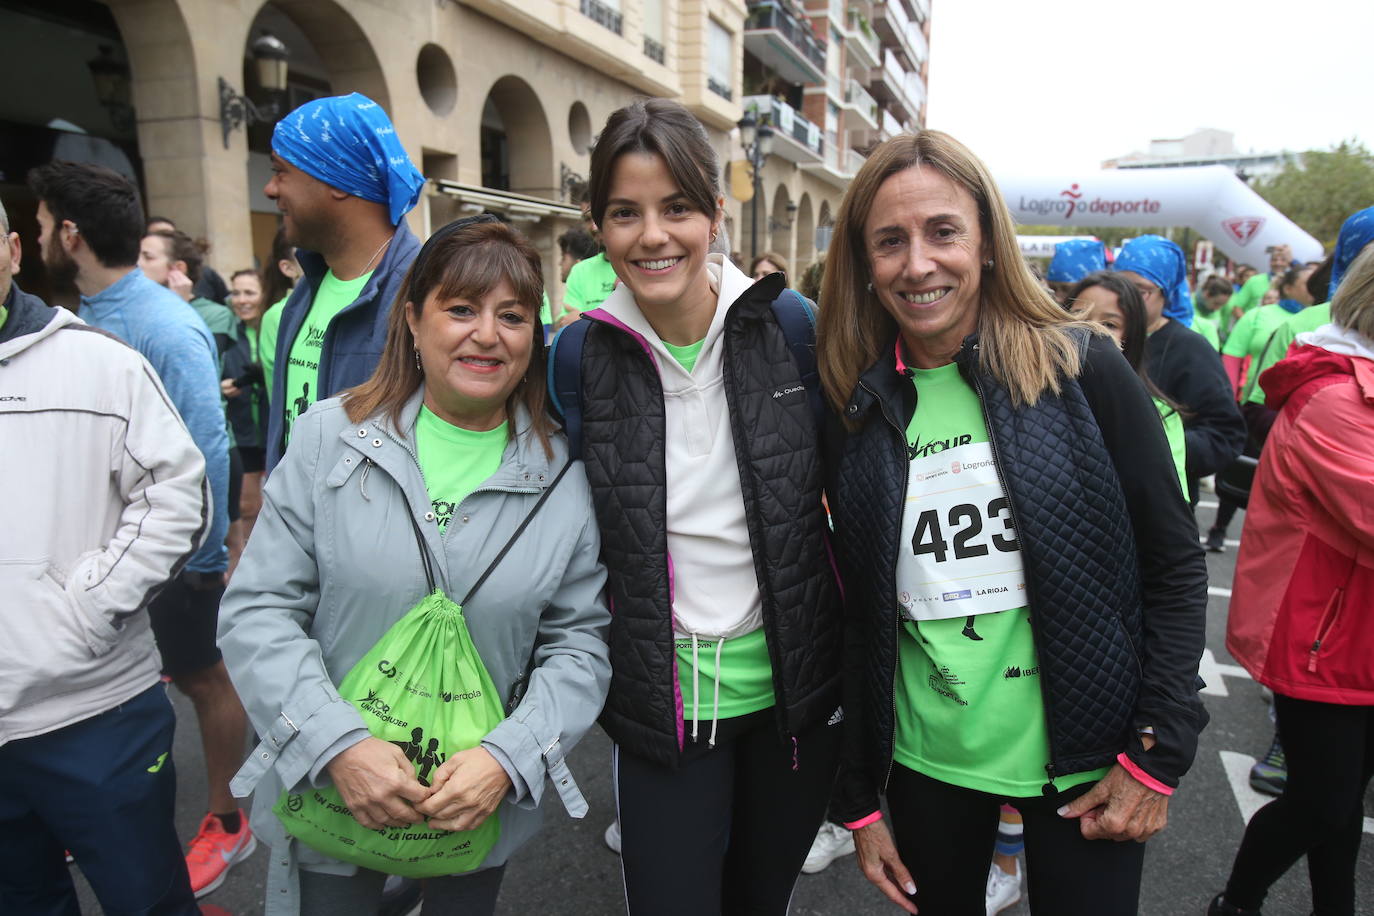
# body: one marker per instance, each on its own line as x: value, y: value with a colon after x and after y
x: 569, y: 871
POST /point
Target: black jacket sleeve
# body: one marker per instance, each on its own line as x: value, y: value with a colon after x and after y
x: 1173, y: 569
x: 1183, y: 365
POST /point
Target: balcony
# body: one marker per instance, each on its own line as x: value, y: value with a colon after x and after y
x: 860, y: 41
x: 794, y: 137
x: 720, y: 89
x: 857, y: 100
x: 894, y: 29
x: 653, y: 49
x: 784, y: 43
x: 838, y: 166
x: 602, y: 14
x: 892, y: 84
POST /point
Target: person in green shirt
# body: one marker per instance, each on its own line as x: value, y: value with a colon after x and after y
x: 303, y: 358
x: 589, y: 283
x: 1250, y: 335
x: 1208, y: 303
x: 1252, y: 290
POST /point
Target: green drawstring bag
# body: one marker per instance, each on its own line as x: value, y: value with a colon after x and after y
x: 424, y: 688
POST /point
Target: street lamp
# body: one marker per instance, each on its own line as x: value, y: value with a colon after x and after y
x: 110, y: 75
x: 271, y: 57
x: 757, y: 140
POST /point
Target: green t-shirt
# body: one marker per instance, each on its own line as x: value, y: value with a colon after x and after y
x: 546, y: 312
x: 303, y: 359
x: 267, y: 340
x: 1309, y: 319
x: 746, y: 676
x: 1207, y: 326
x: 4, y: 314
x: 686, y: 356
x: 1247, y: 297
x: 1173, y: 431
x: 1252, y: 332
x: 969, y: 708
x: 590, y: 281
x: 455, y: 461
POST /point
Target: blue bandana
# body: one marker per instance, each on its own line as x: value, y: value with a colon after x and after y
x: 1075, y: 259
x: 1356, y: 232
x: 1162, y: 263
x: 347, y: 142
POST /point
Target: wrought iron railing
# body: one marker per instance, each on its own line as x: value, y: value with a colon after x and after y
x: 653, y: 49
x: 602, y: 14
x: 797, y: 33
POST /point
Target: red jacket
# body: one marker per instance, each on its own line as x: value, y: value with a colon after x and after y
x: 1302, y: 607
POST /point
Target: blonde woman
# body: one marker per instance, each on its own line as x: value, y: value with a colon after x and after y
x: 1026, y: 593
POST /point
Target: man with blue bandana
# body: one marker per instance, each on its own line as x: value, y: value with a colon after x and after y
x: 343, y: 184
x: 1073, y: 260
x: 1180, y: 362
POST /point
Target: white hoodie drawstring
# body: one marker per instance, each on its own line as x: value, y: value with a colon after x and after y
x: 696, y: 692
x: 715, y: 704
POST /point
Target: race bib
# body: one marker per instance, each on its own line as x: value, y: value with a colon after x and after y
x: 959, y: 552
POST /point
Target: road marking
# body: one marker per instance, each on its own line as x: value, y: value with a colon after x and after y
x: 1215, y: 674
x: 1218, y: 592
x: 1249, y: 801
x: 1202, y: 539
x: 1206, y: 505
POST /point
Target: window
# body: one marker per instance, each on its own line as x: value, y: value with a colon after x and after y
x: 653, y: 29
x: 720, y: 61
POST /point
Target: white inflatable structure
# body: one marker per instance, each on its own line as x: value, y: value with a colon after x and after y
x: 1209, y: 199
x: 1042, y: 246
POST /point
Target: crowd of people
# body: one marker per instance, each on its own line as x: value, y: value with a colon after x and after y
x: 911, y: 543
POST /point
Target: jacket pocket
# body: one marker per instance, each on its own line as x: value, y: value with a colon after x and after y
x: 1321, y: 637
x: 45, y: 632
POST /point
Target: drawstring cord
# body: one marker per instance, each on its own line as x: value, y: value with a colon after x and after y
x: 696, y: 692
x: 715, y: 703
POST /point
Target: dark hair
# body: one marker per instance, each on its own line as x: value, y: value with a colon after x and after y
x: 1289, y: 278
x: 181, y: 247
x: 275, y: 284
x: 811, y: 278
x: 103, y: 205
x: 1134, y: 335
x: 1217, y: 285
x: 467, y: 258
x: 579, y: 243
x: 246, y: 272
x: 772, y: 257
x: 1319, y: 283
x: 666, y: 129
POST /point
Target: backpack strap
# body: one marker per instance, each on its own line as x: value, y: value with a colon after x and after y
x: 565, y: 381
x: 797, y: 318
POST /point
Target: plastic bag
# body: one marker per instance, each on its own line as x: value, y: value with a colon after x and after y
x: 424, y: 688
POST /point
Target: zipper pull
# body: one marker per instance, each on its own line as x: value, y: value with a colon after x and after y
x: 1049, y: 788
x: 796, y: 754
x: 1312, y: 657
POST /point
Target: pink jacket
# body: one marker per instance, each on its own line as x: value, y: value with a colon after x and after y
x: 1302, y: 607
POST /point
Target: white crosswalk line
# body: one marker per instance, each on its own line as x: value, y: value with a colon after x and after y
x: 1229, y: 542
x: 1218, y: 592
x: 1215, y: 674
x: 1249, y: 801
x: 1203, y: 504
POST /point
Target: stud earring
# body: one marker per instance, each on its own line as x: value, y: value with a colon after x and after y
x: 870, y: 286
x: 988, y: 264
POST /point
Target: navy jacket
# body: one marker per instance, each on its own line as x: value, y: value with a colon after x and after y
x: 353, y: 341
x: 1116, y: 581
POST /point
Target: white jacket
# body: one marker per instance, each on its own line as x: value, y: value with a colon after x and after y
x: 104, y: 500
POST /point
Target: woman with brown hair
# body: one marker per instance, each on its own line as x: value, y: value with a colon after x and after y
x: 1026, y: 594
x: 431, y: 474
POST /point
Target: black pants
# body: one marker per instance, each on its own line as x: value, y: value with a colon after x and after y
x: 1226, y: 510
x: 945, y: 836
x: 1330, y: 754
x: 727, y: 831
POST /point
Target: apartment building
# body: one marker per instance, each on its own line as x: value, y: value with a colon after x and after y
x: 496, y: 101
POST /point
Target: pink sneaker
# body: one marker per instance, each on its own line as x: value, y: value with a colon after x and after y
x: 214, y: 852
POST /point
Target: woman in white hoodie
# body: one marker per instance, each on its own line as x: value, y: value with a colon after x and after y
x: 689, y: 399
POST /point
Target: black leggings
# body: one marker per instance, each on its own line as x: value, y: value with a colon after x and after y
x: 1330, y: 754
x: 727, y: 831
x: 945, y: 836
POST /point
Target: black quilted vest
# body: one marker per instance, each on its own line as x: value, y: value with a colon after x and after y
x: 1077, y: 545
x: 776, y: 444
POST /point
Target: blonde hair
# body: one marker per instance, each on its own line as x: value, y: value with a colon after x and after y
x: 1353, y: 305
x: 1023, y: 333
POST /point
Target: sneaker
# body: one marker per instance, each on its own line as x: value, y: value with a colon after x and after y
x: 1003, y: 889
x: 1219, y: 907
x: 1270, y: 774
x: 612, y: 836
x: 1216, y: 540
x: 832, y: 841
x: 214, y: 852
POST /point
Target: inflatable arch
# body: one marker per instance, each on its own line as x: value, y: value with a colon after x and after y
x: 1209, y: 199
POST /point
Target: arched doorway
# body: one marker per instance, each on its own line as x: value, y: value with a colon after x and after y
x: 780, y: 237
x: 806, y: 235
x: 516, y: 145
x: 329, y: 55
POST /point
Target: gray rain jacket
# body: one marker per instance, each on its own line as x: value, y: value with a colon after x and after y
x: 333, y: 563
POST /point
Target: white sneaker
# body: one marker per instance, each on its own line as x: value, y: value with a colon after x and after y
x: 612, y: 836
x: 1003, y: 889
x: 832, y: 841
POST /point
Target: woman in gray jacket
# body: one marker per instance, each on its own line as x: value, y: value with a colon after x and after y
x: 449, y: 442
